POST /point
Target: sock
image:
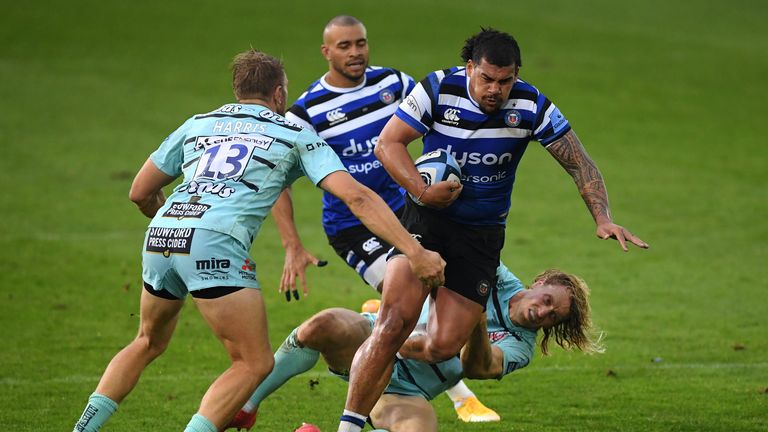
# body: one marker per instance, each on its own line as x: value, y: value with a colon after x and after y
x: 351, y: 422
x: 99, y: 409
x: 458, y: 393
x: 291, y: 359
x: 200, y: 424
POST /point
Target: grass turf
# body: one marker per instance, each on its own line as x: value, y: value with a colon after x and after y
x: 667, y: 97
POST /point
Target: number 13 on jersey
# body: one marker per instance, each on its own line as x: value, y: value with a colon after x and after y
x: 226, y: 160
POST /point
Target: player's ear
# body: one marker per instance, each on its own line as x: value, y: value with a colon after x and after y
x: 324, y: 50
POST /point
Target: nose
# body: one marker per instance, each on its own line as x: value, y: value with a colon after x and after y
x: 543, y: 311
x: 494, y: 88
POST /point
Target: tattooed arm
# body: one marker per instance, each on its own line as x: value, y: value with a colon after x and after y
x: 574, y: 159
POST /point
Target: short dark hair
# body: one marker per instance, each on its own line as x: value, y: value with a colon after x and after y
x: 256, y: 74
x: 496, y: 47
x: 343, y: 21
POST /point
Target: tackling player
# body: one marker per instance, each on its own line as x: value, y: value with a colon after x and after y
x: 347, y: 107
x: 485, y: 116
x: 502, y: 342
x: 235, y: 161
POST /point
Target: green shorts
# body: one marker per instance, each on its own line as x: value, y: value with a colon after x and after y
x: 180, y: 260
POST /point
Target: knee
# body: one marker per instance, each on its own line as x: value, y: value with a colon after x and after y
x: 439, y: 350
x: 393, y: 329
x: 153, y: 346
x: 255, y: 371
x: 322, y: 326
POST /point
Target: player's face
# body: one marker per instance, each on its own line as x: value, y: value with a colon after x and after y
x: 346, y: 49
x: 542, y: 306
x: 489, y: 85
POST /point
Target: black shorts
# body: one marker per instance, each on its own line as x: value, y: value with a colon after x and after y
x: 471, y: 252
x: 361, y: 249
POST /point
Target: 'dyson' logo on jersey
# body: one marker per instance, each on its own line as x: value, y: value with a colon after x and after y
x: 475, y: 158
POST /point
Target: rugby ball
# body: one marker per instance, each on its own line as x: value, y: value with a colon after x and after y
x: 436, y: 166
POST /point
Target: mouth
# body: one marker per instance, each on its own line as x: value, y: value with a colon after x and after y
x: 356, y: 64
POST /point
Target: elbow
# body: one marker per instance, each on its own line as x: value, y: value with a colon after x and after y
x: 137, y: 196
x: 478, y: 373
x: 378, y: 149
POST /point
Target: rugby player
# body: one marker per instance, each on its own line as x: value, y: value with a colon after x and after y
x: 347, y: 107
x: 235, y: 161
x: 485, y: 115
x: 502, y: 342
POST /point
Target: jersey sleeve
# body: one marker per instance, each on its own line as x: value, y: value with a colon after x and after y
x: 408, y: 84
x: 517, y: 350
x: 550, y: 124
x: 169, y: 157
x: 416, y: 108
x: 298, y: 114
x: 316, y: 157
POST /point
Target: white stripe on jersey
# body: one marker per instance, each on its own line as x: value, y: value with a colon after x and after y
x: 545, y: 122
x: 460, y: 133
x: 299, y: 121
x: 351, y: 97
x: 359, y: 122
x: 520, y: 104
x: 459, y: 102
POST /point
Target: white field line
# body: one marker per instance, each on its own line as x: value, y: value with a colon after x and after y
x: 11, y: 381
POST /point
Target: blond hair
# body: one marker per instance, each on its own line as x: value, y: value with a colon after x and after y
x: 256, y: 74
x: 576, y: 330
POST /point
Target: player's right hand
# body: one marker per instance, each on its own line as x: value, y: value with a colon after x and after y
x: 429, y: 267
x: 441, y: 194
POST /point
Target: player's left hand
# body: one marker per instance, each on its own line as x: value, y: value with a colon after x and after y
x: 296, y: 262
x: 441, y: 194
x: 608, y: 230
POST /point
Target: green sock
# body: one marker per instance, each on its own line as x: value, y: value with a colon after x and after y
x: 200, y: 424
x: 291, y: 359
x: 99, y: 409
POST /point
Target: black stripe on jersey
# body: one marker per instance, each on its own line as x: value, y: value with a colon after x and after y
x: 437, y: 371
x: 431, y: 91
x: 351, y: 115
x: 317, y: 100
x: 264, y: 161
x: 284, y: 142
x: 300, y: 112
x: 380, y: 77
x: 190, y: 140
x: 191, y: 162
x: 250, y: 185
x: 454, y: 90
x: 543, y: 110
x: 523, y: 94
x: 410, y: 376
x: 497, y: 307
x: 249, y: 116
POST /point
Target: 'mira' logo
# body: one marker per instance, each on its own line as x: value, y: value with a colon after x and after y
x: 212, y: 264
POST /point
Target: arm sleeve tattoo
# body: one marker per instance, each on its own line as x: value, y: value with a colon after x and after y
x: 574, y: 159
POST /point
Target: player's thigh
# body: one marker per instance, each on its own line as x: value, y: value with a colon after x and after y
x: 451, y: 320
x: 158, y: 317
x: 402, y: 298
x: 239, y: 320
x: 337, y: 333
x: 398, y: 413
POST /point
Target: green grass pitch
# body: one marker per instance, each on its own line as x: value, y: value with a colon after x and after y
x: 668, y: 97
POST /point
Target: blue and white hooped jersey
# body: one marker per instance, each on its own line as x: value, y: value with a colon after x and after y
x: 350, y: 120
x: 488, y: 147
x: 235, y: 161
x: 516, y: 343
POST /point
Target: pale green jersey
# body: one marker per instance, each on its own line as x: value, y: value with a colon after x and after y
x: 235, y: 161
